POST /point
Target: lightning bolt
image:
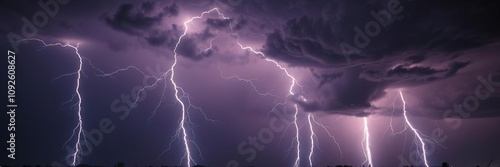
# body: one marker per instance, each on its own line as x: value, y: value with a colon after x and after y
x: 297, y: 160
x: 290, y: 92
x: 366, y: 143
x: 75, y: 156
x: 182, y: 124
x: 415, y: 131
x: 311, y: 152
x: 180, y: 94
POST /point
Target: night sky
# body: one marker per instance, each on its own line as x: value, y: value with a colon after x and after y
x: 233, y: 70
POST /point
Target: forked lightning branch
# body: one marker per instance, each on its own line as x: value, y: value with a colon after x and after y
x: 11, y: 105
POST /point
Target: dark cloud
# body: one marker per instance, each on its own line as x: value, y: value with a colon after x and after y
x: 143, y: 23
x: 416, y: 71
x: 218, y: 23
x: 161, y: 38
x: 410, y: 50
x: 206, y: 35
x: 289, y: 51
x: 353, y: 92
x: 304, y: 40
x: 172, y: 10
x: 240, y: 23
x: 455, y: 66
x: 192, y: 47
x: 413, y: 72
x: 326, y: 77
x: 461, y: 95
x: 65, y: 24
x: 416, y: 58
x: 347, y: 95
x: 134, y: 23
x: 148, y: 7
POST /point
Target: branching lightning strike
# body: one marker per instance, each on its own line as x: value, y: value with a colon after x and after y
x: 179, y: 94
x: 290, y: 92
x: 182, y: 124
x: 415, y: 131
x: 80, y: 134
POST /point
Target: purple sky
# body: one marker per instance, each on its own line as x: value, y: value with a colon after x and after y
x: 350, y: 59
